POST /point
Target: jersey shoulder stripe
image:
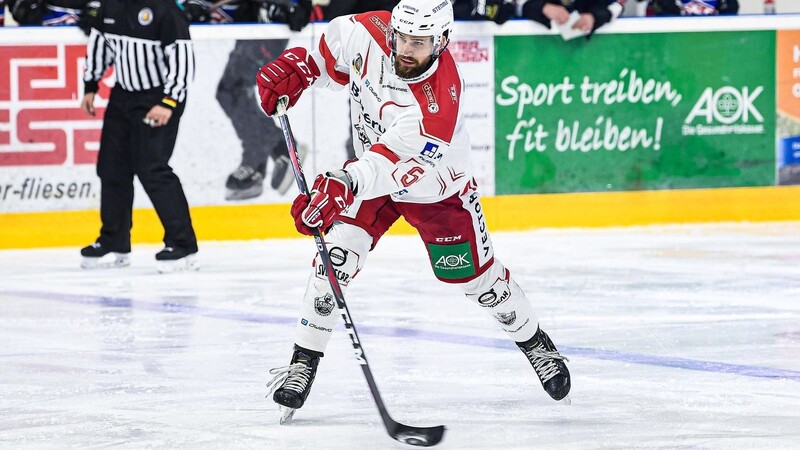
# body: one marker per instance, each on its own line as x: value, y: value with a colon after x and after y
x: 330, y: 63
x: 377, y: 25
x: 384, y: 150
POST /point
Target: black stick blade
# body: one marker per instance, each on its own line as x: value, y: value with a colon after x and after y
x: 419, y: 437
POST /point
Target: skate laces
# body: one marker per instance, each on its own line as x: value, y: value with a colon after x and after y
x: 543, y: 362
x: 243, y: 172
x: 294, y: 377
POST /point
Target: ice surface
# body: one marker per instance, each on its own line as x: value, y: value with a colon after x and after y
x: 680, y: 336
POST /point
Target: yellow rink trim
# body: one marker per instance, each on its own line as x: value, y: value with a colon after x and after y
x: 515, y: 212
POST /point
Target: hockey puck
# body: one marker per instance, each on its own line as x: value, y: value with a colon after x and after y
x: 420, y: 441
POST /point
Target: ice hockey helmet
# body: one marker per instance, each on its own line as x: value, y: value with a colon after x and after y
x: 432, y: 18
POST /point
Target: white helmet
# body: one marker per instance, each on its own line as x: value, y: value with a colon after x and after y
x: 422, y: 18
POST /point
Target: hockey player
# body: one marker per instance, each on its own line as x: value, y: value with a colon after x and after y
x: 413, y: 161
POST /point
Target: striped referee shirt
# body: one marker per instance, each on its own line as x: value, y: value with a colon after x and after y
x: 147, y: 42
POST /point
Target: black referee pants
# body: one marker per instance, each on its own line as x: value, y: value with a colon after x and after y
x: 130, y: 147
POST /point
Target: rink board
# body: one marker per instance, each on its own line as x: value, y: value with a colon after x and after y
x: 49, y: 193
x: 504, y: 213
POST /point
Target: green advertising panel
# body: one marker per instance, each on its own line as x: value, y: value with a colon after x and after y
x: 634, y: 112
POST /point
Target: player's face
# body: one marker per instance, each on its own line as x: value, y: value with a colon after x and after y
x: 413, y: 53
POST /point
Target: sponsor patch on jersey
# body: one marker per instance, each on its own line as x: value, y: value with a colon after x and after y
x: 358, y: 63
x: 430, y: 153
x: 145, y: 16
x: 451, y: 262
x: 433, y: 107
x: 453, y: 95
x: 379, y: 23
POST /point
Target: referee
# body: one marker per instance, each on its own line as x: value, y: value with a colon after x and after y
x: 148, y: 43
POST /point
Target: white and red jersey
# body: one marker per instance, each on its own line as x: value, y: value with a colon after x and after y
x: 408, y: 134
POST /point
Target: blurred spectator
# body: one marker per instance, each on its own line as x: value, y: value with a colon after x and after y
x: 498, y: 11
x: 593, y: 14
x: 337, y: 8
x: 694, y: 7
x: 641, y: 7
x: 49, y: 12
x: 295, y: 13
x: 202, y: 11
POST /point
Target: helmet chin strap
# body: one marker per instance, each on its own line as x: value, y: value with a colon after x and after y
x: 445, y: 42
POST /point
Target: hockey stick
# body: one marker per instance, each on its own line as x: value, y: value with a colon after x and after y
x: 419, y: 436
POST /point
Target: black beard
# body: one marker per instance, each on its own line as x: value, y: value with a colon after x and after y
x: 408, y: 72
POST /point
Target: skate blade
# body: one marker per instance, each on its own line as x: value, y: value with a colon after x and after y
x: 244, y: 194
x: 109, y: 261
x: 286, y: 414
x: 566, y: 400
x: 186, y: 264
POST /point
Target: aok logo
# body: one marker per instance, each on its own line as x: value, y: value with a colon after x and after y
x: 727, y: 105
x: 453, y: 261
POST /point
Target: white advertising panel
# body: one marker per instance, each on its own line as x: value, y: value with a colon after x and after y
x: 48, y: 146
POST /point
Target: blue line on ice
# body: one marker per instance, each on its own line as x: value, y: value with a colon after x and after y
x: 450, y: 338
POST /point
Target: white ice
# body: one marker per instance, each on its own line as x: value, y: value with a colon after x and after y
x: 678, y: 337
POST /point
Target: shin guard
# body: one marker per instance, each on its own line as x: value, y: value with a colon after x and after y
x: 501, y: 297
x: 348, y: 246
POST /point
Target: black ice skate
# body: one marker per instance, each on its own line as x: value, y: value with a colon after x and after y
x: 98, y: 256
x: 292, y: 383
x: 548, y: 364
x: 245, y: 182
x: 173, y: 259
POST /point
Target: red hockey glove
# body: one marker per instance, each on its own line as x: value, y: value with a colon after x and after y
x: 329, y: 197
x: 289, y: 75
